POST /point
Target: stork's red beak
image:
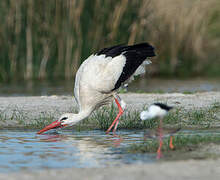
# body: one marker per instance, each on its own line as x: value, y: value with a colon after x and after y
x: 53, y: 125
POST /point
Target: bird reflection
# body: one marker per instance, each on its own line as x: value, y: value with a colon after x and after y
x: 87, y: 148
x: 54, y: 136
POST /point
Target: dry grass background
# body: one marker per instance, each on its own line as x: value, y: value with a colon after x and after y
x: 49, y: 39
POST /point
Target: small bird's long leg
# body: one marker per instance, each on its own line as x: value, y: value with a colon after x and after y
x: 118, y: 116
x: 159, y: 153
x: 171, y: 137
x: 171, y: 142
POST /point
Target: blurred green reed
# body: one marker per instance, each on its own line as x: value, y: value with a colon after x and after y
x: 50, y: 39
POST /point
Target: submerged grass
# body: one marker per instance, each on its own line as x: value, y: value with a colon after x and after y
x: 181, y: 142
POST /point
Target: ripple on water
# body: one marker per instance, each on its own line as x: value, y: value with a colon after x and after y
x: 24, y: 150
x: 20, y: 150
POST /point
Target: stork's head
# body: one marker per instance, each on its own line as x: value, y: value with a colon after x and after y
x: 65, y: 120
x: 68, y: 119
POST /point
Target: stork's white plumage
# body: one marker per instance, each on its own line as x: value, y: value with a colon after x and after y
x: 100, y: 76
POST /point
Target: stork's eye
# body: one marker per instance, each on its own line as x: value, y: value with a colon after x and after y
x: 64, y: 118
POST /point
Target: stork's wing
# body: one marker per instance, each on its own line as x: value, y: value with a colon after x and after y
x: 109, y: 68
x: 131, y: 58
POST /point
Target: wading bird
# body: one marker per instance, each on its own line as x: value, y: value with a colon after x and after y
x: 100, y: 76
x: 158, y: 110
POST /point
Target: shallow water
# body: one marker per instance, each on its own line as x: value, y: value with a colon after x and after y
x: 25, y: 150
x: 20, y: 150
x: 58, y: 87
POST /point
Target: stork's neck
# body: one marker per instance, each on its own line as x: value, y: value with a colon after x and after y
x: 75, y: 118
x: 84, y: 114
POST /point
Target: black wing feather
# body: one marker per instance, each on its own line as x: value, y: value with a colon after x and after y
x: 135, y: 55
x: 163, y: 106
x: 111, y: 51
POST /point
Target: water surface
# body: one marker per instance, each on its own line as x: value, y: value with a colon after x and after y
x: 59, y: 87
x: 24, y: 150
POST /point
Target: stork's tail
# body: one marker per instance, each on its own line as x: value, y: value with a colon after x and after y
x: 147, y: 51
x: 141, y: 68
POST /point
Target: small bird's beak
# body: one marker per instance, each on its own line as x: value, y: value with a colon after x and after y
x: 53, y: 125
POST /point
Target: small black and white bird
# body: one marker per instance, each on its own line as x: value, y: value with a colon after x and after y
x: 155, y: 110
x: 158, y: 110
x: 100, y: 76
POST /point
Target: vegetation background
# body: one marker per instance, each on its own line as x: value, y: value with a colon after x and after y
x: 49, y: 39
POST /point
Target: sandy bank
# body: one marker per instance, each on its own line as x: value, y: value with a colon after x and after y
x: 33, y: 107
x: 181, y: 170
x: 56, y: 105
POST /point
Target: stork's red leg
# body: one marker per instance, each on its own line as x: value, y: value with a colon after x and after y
x: 117, y: 118
x: 116, y: 125
x: 159, y: 153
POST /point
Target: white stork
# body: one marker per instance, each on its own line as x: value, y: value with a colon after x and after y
x: 100, y: 76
